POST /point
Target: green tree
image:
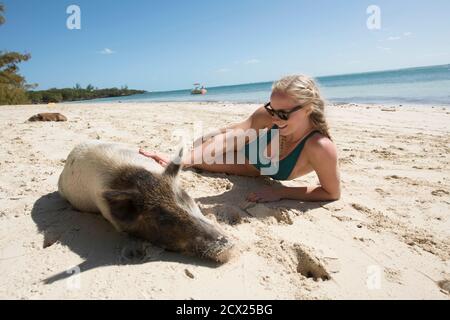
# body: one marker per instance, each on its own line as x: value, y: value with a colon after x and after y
x: 9, y: 68
x: 2, y: 10
x: 73, y: 94
x: 12, y: 85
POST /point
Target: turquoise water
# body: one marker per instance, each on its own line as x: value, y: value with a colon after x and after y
x: 424, y: 85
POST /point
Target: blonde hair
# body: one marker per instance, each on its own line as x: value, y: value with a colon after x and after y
x: 305, y: 91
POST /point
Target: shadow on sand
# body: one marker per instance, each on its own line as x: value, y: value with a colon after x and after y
x: 91, y: 237
x: 242, y: 186
x: 96, y: 241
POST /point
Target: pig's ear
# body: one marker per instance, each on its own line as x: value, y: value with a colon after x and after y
x: 174, y: 167
x: 124, y: 205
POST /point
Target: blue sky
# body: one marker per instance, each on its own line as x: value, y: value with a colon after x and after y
x: 168, y: 45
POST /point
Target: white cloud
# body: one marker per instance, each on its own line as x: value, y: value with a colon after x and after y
x: 236, y: 62
x: 434, y: 55
x: 384, y: 49
x: 395, y: 38
x: 252, y: 61
x: 107, y: 51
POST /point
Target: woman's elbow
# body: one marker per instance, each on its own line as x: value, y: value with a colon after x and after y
x: 334, y: 195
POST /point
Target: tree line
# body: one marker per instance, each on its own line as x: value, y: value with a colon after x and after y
x: 77, y: 94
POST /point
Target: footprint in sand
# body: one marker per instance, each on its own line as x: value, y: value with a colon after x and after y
x: 361, y: 208
x: 299, y: 259
x: 384, y: 154
x: 440, y: 193
x: 309, y: 266
x: 263, y: 212
x: 393, y: 177
x: 382, y: 192
x: 445, y: 286
x: 224, y: 213
x: 393, y: 275
x: 345, y: 160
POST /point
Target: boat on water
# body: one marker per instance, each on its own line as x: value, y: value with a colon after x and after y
x: 198, y: 89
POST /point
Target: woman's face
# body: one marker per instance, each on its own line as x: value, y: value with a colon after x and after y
x: 297, y: 120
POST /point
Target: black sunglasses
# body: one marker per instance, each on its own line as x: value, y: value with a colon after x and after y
x: 283, y: 115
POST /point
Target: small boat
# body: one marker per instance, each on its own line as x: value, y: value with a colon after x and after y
x: 198, y: 90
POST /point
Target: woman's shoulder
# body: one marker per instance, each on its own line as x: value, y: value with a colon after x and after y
x: 257, y: 120
x: 261, y: 119
x: 319, y: 147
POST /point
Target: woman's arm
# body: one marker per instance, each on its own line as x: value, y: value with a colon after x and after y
x: 258, y: 120
x: 217, y: 137
x: 322, y: 156
x: 223, y: 139
x: 308, y: 194
x: 190, y: 158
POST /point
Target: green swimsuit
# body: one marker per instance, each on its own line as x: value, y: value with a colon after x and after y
x: 285, y: 165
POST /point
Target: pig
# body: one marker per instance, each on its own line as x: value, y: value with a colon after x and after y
x: 48, y: 117
x: 141, y: 198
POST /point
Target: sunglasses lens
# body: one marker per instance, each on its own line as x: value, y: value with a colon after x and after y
x: 280, y: 114
x: 270, y: 110
x: 283, y: 116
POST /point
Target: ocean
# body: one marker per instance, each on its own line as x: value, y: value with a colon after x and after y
x: 418, y: 86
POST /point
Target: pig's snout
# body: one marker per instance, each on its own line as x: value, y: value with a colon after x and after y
x: 220, y: 250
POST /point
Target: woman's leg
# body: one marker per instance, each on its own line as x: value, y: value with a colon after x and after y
x: 244, y: 169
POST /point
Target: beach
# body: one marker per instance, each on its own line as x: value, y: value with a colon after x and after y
x: 387, y: 237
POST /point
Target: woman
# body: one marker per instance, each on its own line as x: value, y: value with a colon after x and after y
x: 296, y: 112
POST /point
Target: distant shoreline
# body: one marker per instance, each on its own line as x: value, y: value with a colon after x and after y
x: 418, y: 86
x: 421, y: 86
x: 424, y: 104
x: 329, y: 104
x: 78, y: 94
x: 315, y: 77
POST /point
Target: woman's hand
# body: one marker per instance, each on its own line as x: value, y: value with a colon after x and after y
x: 160, y: 158
x: 264, y: 195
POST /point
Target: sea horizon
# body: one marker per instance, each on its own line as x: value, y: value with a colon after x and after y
x: 423, y: 85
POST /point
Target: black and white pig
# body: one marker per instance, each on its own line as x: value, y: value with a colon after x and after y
x: 141, y: 198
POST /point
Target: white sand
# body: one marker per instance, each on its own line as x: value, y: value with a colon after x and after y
x: 388, y: 237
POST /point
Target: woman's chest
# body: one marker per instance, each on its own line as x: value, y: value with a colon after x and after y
x: 293, y: 155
